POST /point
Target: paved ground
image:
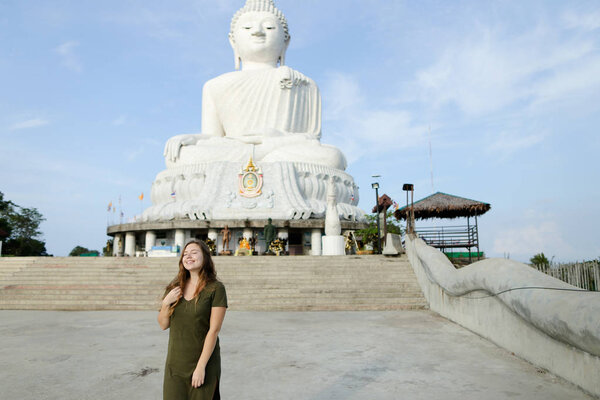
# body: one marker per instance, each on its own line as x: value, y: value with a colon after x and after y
x: 267, y: 355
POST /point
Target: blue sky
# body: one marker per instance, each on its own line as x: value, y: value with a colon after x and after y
x: 90, y: 91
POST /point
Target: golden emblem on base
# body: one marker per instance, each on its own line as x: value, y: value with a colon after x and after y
x: 250, y: 180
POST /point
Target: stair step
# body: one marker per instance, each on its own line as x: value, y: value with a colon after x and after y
x: 253, y: 283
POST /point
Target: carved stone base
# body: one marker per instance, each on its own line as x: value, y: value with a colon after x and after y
x: 289, y: 191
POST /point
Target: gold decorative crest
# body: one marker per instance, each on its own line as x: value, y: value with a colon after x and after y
x: 250, y: 180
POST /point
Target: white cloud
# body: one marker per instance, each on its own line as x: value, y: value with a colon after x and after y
x: 492, y: 69
x: 164, y: 22
x: 525, y: 241
x: 146, y: 143
x: 121, y: 120
x: 572, y: 80
x: 507, y: 142
x: 153, y: 142
x: 342, y: 95
x: 135, y: 153
x: 588, y: 21
x: 363, y: 127
x: 30, y: 123
x: 69, y: 59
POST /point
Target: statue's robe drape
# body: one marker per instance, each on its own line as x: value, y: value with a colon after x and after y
x: 271, y: 115
x: 260, y: 101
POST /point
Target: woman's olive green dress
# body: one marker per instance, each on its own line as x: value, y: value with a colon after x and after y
x: 189, y: 325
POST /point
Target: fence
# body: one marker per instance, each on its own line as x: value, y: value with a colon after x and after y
x: 585, y: 275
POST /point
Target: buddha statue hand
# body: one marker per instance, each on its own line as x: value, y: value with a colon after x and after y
x: 173, y: 145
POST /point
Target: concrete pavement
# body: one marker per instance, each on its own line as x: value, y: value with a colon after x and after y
x: 107, y: 355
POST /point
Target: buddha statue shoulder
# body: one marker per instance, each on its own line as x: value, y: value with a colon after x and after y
x: 264, y: 109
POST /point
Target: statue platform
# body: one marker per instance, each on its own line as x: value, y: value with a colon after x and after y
x: 303, y: 236
x: 231, y: 190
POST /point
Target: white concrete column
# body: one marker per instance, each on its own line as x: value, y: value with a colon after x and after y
x: 180, y: 238
x: 213, y: 235
x: 315, y: 242
x: 117, y: 244
x: 130, y: 244
x: 150, y: 240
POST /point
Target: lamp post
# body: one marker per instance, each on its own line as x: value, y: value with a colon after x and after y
x: 375, y: 186
x: 410, y: 219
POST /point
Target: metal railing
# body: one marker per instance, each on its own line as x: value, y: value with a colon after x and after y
x: 444, y: 237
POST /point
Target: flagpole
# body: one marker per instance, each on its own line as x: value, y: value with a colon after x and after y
x: 120, y: 211
x: 141, y: 197
x: 110, y: 205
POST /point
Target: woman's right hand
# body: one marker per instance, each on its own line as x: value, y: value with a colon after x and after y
x: 172, y: 296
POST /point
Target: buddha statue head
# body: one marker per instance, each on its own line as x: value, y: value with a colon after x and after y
x: 259, y: 34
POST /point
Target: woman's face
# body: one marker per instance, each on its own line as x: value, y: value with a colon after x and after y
x: 192, y: 258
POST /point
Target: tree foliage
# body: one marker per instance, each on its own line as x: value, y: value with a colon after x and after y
x: 20, y: 230
x: 369, y: 234
x: 79, y: 250
x: 540, y: 259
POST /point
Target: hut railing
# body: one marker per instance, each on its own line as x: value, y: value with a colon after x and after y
x: 443, y: 237
x: 585, y: 275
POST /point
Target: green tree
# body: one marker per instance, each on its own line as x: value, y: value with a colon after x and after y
x: 369, y: 234
x: 5, y: 228
x: 20, y: 229
x: 24, y: 247
x: 539, y: 259
x: 5, y: 208
x: 26, y: 224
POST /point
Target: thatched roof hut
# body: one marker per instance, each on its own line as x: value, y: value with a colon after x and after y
x: 443, y: 205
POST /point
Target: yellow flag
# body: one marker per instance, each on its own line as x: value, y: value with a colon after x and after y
x: 141, y: 196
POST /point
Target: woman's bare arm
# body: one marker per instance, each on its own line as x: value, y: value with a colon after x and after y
x: 217, y: 315
x: 164, y: 319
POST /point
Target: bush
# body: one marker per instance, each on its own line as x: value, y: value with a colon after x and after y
x: 540, y: 260
x: 79, y: 250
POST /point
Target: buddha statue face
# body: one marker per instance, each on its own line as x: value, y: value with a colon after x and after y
x: 259, y: 35
x: 259, y: 38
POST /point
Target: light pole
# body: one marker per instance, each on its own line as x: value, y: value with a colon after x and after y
x: 375, y: 186
x: 409, y: 187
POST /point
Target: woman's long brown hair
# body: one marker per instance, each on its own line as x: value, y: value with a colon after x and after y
x: 207, y: 273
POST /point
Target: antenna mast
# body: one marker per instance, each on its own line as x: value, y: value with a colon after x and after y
x: 431, y: 161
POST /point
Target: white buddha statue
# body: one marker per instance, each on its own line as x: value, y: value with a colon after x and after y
x: 266, y: 110
x: 264, y: 113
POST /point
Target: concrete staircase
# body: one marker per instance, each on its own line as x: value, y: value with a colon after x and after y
x: 253, y: 283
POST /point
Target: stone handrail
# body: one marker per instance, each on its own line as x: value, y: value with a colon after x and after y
x: 546, y: 317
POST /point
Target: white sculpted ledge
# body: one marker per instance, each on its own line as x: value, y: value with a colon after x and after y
x: 567, y: 316
x: 290, y: 190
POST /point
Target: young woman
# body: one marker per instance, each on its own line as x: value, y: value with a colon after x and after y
x: 194, y: 308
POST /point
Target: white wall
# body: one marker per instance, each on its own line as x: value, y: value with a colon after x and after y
x: 555, y: 329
